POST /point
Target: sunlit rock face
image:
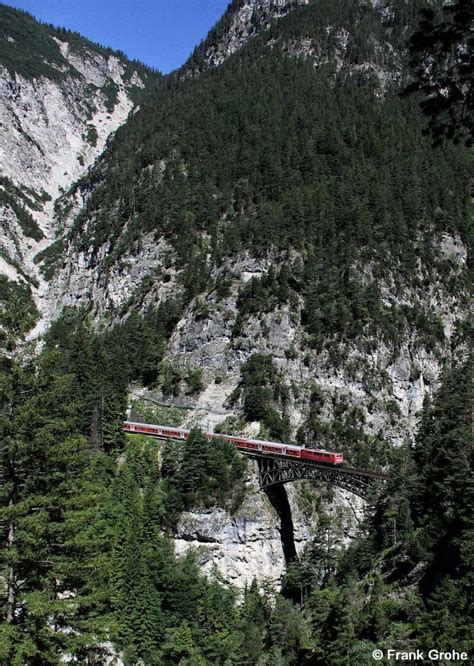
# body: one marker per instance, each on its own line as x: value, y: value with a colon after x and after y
x: 52, y: 129
x: 246, y: 545
x: 242, y: 21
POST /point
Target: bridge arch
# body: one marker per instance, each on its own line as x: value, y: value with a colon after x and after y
x: 274, y: 472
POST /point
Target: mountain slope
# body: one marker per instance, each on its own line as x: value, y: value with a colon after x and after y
x: 242, y: 20
x: 286, y: 204
x: 270, y: 247
x: 61, y: 97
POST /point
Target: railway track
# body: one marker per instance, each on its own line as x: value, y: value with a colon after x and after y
x: 343, y: 469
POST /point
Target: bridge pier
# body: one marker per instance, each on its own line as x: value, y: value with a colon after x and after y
x: 274, y: 473
x: 279, y: 500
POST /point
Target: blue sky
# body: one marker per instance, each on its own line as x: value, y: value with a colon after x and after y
x: 160, y: 33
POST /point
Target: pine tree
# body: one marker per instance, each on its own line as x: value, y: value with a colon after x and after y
x: 49, y: 509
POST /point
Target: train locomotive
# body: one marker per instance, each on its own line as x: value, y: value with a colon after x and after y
x: 255, y: 447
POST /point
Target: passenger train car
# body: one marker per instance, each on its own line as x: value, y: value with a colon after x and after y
x: 250, y: 446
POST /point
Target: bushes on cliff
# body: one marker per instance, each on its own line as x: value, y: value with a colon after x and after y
x: 261, y: 391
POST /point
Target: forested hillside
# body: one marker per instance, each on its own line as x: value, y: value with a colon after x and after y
x: 287, y: 204
x: 87, y: 560
x: 269, y: 245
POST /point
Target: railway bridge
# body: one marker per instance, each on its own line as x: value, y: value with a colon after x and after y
x: 280, y: 463
x: 274, y: 471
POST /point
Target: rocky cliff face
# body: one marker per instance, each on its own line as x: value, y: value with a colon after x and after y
x: 51, y: 134
x: 247, y: 545
x: 387, y: 388
x: 370, y: 389
x: 243, y: 20
x: 56, y: 116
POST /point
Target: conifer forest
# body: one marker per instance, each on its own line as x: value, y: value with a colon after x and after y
x: 271, y: 242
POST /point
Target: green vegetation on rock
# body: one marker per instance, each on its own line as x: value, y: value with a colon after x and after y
x: 29, y: 47
x: 323, y: 170
x: 13, y: 198
x: 18, y: 313
x: 330, y: 166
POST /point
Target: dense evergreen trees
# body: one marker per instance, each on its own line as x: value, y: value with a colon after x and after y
x: 272, y: 155
x: 203, y: 473
x: 51, y: 483
x: 267, y: 154
x: 442, y: 59
x: 261, y: 391
x: 421, y: 531
x: 18, y: 313
x: 85, y: 556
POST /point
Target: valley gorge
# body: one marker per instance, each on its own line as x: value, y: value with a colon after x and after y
x: 262, y: 243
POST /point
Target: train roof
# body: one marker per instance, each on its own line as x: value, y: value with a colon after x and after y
x: 156, y: 425
x: 267, y: 442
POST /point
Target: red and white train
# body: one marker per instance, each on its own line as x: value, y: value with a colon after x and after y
x: 256, y: 446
